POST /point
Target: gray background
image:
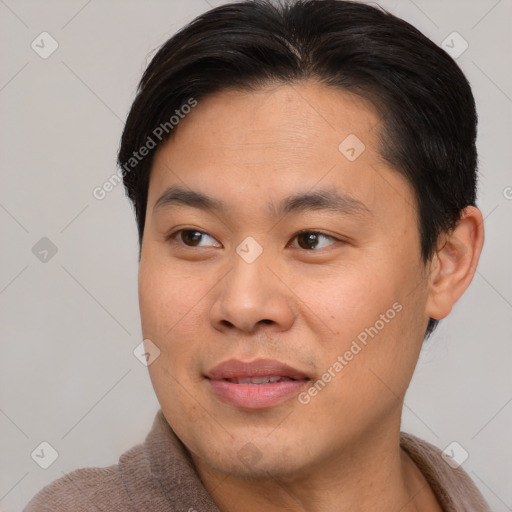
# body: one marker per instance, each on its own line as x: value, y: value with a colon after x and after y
x: 70, y: 324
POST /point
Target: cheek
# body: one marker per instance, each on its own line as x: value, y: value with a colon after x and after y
x: 372, y: 321
x: 345, y: 299
x: 168, y: 297
x: 170, y: 303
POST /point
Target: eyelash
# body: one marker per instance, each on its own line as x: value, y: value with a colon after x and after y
x: 172, y: 238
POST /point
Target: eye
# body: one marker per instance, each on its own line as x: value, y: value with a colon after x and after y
x: 190, y: 237
x: 308, y: 240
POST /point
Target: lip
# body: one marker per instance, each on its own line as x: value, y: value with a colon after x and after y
x: 255, y: 396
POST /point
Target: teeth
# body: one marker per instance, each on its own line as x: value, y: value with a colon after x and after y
x: 259, y: 380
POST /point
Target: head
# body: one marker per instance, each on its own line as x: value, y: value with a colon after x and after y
x: 304, y: 188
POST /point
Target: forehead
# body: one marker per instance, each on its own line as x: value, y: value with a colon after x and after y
x: 248, y: 146
x: 278, y: 120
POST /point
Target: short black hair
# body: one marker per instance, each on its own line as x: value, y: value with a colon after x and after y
x: 428, y: 112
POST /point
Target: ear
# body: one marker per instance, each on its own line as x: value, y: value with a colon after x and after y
x: 454, y: 264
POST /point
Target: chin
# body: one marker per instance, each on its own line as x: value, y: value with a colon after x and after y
x: 254, y: 459
x: 270, y: 465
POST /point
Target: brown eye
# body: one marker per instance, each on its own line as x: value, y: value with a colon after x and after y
x: 308, y: 240
x: 190, y: 238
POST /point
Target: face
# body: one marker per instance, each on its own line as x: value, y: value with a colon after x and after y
x: 288, y: 303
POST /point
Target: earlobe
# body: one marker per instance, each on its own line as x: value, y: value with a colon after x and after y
x: 454, y: 264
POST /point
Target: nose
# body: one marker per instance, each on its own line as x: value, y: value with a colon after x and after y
x: 252, y: 296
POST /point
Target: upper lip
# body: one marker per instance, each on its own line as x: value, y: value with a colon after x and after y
x: 236, y: 369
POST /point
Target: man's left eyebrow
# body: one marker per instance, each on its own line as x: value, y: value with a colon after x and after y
x: 325, y: 199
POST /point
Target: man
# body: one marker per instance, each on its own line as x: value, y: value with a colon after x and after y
x: 304, y: 180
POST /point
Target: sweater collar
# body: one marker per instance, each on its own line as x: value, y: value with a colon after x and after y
x: 168, y: 481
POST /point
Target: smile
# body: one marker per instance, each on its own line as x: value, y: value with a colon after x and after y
x: 258, y: 384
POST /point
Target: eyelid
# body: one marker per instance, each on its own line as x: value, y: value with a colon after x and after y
x: 176, y: 232
x: 316, y: 232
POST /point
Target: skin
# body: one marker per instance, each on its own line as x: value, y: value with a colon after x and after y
x: 299, y: 303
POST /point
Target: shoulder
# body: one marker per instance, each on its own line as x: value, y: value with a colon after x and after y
x: 149, y: 476
x: 85, y: 489
x: 443, y: 471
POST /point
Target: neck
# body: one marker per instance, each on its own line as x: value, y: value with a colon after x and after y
x: 375, y: 475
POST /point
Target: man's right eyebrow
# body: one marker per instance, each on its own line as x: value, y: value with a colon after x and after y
x: 176, y: 195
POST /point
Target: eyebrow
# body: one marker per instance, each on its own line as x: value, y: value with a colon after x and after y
x: 320, y: 200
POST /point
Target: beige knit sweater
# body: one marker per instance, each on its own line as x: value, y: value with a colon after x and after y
x: 158, y: 475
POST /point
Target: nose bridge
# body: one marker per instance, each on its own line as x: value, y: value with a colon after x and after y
x: 247, y: 280
x: 250, y: 292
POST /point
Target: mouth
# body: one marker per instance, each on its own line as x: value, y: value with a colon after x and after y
x: 258, y: 384
x: 261, y: 380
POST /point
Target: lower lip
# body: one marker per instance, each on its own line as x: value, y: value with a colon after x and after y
x: 256, y: 396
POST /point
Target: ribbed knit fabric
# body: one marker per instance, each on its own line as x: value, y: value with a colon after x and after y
x: 158, y: 475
